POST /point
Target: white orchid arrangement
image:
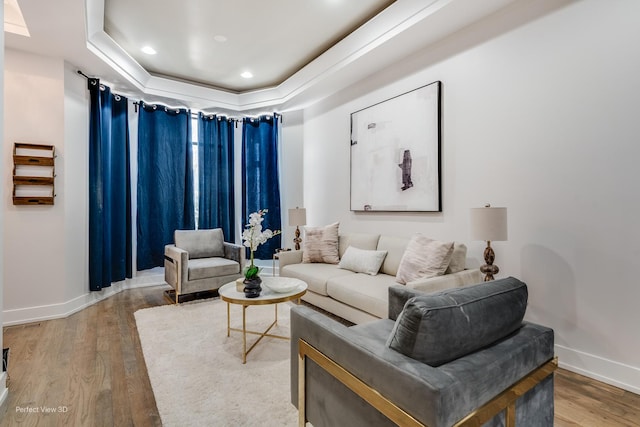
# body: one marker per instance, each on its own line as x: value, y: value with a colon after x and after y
x: 253, y: 236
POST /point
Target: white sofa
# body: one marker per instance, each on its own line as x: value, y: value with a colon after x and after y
x: 359, y: 297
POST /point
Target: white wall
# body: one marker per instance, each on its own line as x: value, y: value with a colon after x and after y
x: 76, y: 183
x: 543, y: 119
x: 3, y: 174
x: 34, y: 272
x: 46, y: 268
x: 291, y: 170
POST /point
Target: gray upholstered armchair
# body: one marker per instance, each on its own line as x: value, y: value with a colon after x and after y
x: 458, y: 357
x: 200, y: 261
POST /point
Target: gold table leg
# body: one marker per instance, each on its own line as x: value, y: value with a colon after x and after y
x: 244, y: 334
x: 245, y: 331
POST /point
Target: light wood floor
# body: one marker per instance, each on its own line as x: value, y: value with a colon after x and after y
x: 89, y: 369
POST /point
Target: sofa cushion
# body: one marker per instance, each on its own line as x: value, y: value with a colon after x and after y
x: 321, y: 244
x: 458, y: 258
x: 441, y: 327
x: 201, y: 243
x: 367, y: 293
x: 423, y: 258
x: 314, y: 274
x: 395, y: 247
x: 204, y: 268
x: 362, y: 261
x: 357, y: 240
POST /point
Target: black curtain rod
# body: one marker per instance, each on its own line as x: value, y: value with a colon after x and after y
x: 136, y: 103
x: 84, y: 75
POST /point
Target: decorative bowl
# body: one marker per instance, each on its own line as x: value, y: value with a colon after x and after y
x: 281, y: 286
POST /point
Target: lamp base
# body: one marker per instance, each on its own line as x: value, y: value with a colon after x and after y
x: 489, y: 269
x: 297, y: 239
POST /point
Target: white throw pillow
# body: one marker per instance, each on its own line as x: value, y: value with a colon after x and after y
x: 423, y: 258
x: 362, y: 260
x: 321, y: 244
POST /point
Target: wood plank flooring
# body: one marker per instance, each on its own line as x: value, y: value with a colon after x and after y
x: 88, y: 370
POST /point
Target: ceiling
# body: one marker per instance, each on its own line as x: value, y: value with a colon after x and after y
x: 298, y: 51
x: 213, y: 42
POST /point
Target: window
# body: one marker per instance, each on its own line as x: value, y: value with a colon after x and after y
x: 194, y: 151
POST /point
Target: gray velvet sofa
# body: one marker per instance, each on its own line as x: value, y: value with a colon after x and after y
x: 200, y: 260
x: 359, y: 297
x: 458, y: 357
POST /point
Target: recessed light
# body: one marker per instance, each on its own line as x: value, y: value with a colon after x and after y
x: 149, y: 50
x: 247, y: 75
x: 220, y: 38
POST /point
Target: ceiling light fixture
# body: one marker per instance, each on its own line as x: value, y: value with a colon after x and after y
x: 149, y: 50
x: 220, y: 38
x: 247, y: 75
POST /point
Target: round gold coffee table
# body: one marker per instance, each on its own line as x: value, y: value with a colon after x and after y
x: 290, y: 289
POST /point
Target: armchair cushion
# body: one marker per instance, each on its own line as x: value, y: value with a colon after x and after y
x: 203, y: 268
x: 441, y: 327
x: 201, y: 243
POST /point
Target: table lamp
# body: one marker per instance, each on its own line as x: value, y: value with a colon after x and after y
x: 489, y: 224
x: 297, y: 217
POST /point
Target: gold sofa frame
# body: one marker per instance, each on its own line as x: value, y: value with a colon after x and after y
x: 505, y: 401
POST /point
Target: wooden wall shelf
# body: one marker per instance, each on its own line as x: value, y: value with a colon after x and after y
x: 33, y: 174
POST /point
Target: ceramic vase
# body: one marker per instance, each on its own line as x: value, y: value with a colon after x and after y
x: 252, y: 287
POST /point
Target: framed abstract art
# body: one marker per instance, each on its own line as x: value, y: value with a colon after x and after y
x: 395, y: 153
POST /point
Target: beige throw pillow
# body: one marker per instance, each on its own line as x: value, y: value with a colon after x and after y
x: 458, y: 258
x: 362, y: 260
x: 321, y: 244
x: 423, y: 258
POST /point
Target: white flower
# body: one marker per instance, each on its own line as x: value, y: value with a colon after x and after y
x: 253, y: 236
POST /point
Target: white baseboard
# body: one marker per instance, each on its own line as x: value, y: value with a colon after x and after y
x: 61, y: 310
x: 4, y: 393
x: 607, y: 371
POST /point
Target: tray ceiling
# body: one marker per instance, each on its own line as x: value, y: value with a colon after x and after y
x: 213, y: 42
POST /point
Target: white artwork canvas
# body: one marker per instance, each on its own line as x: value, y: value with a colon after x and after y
x: 395, y: 153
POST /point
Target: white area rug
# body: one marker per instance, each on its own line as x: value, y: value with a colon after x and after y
x: 196, y: 371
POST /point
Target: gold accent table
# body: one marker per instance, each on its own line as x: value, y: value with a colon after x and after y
x: 229, y: 294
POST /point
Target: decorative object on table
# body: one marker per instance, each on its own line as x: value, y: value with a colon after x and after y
x: 395, y: 153
x: 253, y: 236
x: 489, y: 224
x: 297, y: 217
x: 281, y: 285
x: 240, y: 284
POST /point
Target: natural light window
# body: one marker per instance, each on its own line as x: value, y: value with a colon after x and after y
x: 196, y: 181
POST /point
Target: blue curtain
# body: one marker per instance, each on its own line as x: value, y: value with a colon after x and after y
x: 165, y: 180
x: 215, y: 174
x: 260, y: 181
x: 109, y: 188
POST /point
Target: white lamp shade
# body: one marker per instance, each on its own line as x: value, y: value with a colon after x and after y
x: 297, y: 216
x: 488, y: 224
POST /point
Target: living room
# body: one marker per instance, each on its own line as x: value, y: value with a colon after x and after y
x: 539, y: 114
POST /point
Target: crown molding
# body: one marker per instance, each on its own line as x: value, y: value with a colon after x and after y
x: 379, y: 32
